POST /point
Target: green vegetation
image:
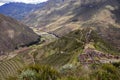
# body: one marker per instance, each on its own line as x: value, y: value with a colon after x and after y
x: 36, y: 72
x: 87, y: 53
x: 106, y: 72
x: 103, y: 45
x: 95, y: 72
x: 68, y: 47
x: 63, y: 56
x: 9, y: 67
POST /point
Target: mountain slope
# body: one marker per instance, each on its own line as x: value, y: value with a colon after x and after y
x: 66, y: 52
x: 14, y: 34
x: 60, y: 17
x: 72, y: 45
x: 67, y: 49
x: 60, y: 14
x: 19, y: 10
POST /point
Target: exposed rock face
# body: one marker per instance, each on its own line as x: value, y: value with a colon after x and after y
x: 14, y: 34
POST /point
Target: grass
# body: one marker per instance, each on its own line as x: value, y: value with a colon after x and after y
x: 9, y: 67
x: 64, y: 50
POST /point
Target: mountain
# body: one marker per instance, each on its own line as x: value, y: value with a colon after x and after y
x: 60, y: 17
x: 18, y: 10
x: 79, y: 38
x: 78, y: 51
x: 14, y: 35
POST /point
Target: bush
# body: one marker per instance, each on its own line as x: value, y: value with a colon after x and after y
x: 37, y: 72
x: 106, y: 72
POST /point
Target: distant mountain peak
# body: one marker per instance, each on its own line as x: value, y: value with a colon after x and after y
x: 19, y: 10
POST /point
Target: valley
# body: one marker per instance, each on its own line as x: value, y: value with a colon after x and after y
x: 60, y: 40
x: 73, y: 51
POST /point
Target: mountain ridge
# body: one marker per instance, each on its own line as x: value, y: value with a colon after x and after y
x: 65, y: 16
x: 19, y: 10
x: 79, y: 38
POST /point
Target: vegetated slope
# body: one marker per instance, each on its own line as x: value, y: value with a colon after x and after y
x: 64, y: 51
x: 67, y: 49
x: 18, y: 10
x: 14, y: 34
x: 11, y: 64
x: 9, y: 67
x: 60, y: 17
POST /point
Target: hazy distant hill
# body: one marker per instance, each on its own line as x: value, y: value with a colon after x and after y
x: 14, y: 34
x: 19, y: 10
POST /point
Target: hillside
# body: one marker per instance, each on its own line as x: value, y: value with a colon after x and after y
x: 80, y: 40
x: 19, y: 10
x: 66, y: 53
x: 14, y: 35
x: 67, y: 49
x: 60, y: 17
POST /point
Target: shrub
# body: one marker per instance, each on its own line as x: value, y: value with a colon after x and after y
x: 37, y: 72
x: 106, y: 72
